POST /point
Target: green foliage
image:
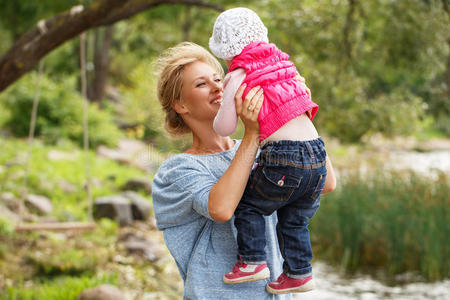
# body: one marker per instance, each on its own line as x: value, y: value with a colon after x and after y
x: 61, y: 288
x: 20, y: 15
x: 376, y: 54
x: 394, y: 222
x: 64, y: 261
x: 45, y: 175
x: 371, y: 65
x: 6, y: 228
x: 60, y: 113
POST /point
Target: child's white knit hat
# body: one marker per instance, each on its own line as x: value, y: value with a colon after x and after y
x: 234, y: 29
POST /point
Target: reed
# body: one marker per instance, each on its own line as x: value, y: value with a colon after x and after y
x: 396, y: 222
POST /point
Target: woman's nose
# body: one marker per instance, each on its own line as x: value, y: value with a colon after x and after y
x: 218, y: 86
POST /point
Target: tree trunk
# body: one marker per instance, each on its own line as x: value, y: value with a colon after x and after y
x: 51, y: 33
x: 447, y: 72
x: 102, y: 45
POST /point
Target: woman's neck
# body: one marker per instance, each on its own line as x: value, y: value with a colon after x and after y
x: 208, y: 143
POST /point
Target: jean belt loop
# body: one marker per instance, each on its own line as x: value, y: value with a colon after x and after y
x: 310, y: 150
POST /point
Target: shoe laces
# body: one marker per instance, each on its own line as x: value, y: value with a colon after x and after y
x: 283, y: 277
x: 238, y: 265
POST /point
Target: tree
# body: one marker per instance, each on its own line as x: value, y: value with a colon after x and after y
x: 29, y: 48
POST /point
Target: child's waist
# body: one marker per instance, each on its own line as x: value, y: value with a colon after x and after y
x: 298, y: 129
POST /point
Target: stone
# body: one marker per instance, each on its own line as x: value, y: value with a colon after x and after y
x: 140, y: 206
x: 5, y: 213
x: 141, y: 246
x: 41, y: 204
x: 102, y: 292
x: 137, y: 184
x: 66, y: 186
x: 57, y: 155
x: 10, y: 201
x: 114, y: 207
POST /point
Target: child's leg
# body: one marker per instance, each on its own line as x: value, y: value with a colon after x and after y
x: 294, y: 239
x: 251, y: 239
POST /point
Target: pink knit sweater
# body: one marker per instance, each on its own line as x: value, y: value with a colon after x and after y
x: 284, y: 96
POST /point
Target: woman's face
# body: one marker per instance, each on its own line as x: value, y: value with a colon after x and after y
x: 202, y: 91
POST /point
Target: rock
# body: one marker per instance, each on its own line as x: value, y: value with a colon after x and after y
x: 56, y: 155
x: 40, y: 204
x: 10, y: 201
x: 5, y: 213
x: 130, y: 152
x: 66, y: 186
x: 136, y: 184
x: 102, y: 292
x: 113, y: 154
x: 140, y: 206
x: 139, y: 245
x: 114, y: 207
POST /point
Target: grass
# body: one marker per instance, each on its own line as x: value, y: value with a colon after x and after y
x: 60, y: 288
x: 394, y: 222
x: 48, y: 265
x: 45, y: 175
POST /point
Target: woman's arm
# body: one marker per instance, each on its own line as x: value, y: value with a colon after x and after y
x: 330, y: 181
x: 227, y: 192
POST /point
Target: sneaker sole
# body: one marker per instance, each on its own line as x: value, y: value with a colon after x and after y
x: 309, y: 286
x: 263, y: 274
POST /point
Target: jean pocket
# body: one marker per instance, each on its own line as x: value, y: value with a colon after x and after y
x: 319, y: 187
x: 275, y: 183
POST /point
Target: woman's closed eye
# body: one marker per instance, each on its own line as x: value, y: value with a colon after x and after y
x: 200, y: 84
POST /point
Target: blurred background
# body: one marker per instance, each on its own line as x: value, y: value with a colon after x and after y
x: 379, y: 70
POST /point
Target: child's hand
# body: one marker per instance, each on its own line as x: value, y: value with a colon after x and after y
x: 248, y: 110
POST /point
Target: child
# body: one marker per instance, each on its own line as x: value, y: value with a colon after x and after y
x: 290, y: 169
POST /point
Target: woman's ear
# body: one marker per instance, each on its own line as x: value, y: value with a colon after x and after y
x: 179, y: 108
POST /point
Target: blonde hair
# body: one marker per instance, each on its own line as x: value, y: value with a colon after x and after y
x: 171, y: 64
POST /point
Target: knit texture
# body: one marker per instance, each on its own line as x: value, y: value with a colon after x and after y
x: 284, y: 96
x: 233, y: 30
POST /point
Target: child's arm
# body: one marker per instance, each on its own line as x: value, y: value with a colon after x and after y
x: 226, y: 118
x: 330, y: 181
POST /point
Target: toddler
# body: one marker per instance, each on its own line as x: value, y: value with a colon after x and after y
x: 290, y: 170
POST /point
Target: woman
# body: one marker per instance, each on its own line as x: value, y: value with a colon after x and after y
x: 196, y: 192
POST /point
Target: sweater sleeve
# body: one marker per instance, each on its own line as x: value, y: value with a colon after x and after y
x: 181, y: 187
x: 226, y: 118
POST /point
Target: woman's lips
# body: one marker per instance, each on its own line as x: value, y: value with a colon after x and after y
x: 217, y: 100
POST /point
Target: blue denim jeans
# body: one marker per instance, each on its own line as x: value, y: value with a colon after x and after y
x: 288, y: 179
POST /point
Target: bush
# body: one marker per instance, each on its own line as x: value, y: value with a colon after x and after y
x: 60, y: 112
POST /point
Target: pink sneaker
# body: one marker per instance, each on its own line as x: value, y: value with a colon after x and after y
x: 285, y: 284
x: 243, y: 273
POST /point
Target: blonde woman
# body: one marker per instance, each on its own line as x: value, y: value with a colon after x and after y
x: 195, y: 193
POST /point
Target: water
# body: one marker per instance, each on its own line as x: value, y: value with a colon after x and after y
x: 332, y: 286
x: 426, y: 163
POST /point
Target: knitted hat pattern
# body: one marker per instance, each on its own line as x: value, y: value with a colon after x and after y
x: 233, y: 30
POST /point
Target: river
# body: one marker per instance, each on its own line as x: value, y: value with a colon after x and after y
x: 330, y: 285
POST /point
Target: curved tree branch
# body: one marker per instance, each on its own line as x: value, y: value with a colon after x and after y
x: 49, y: 34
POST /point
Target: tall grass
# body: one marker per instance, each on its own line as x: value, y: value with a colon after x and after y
x: 390, y: 221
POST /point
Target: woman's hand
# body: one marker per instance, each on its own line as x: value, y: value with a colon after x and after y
x: 303, y: 84
x: 248, y: 110
x: 227, y: 192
